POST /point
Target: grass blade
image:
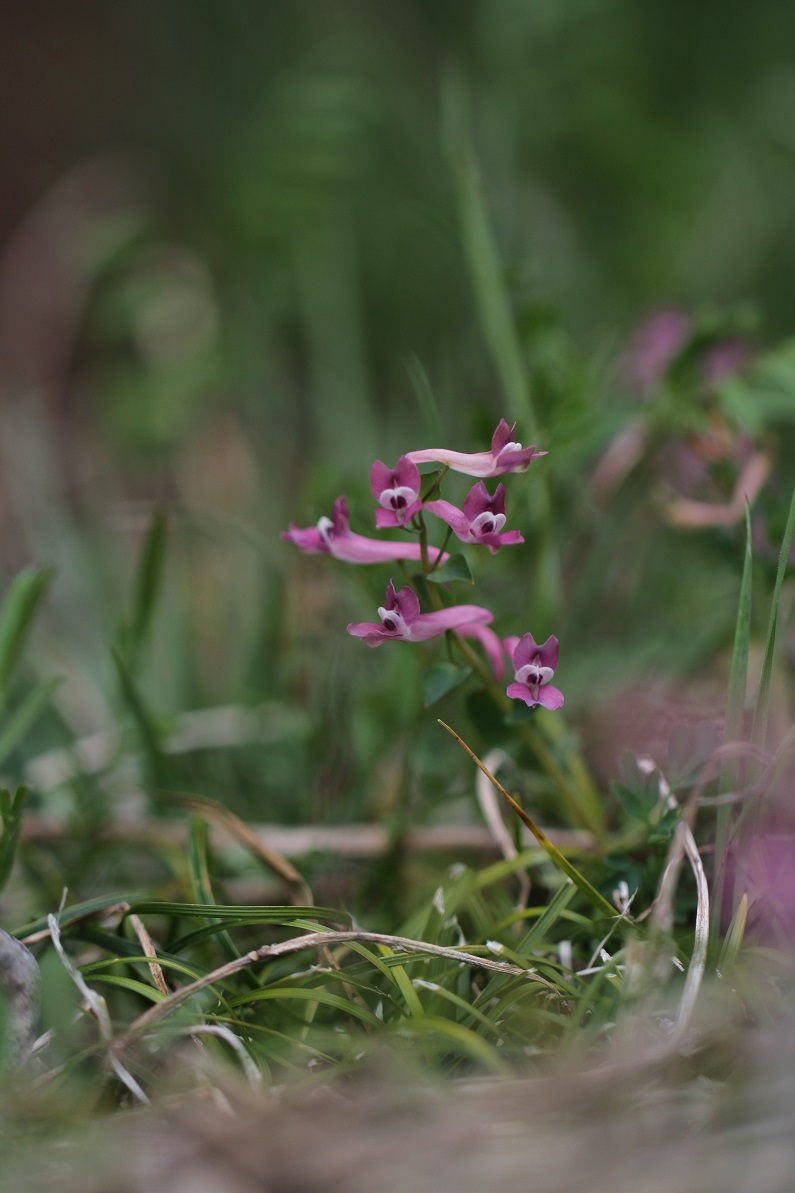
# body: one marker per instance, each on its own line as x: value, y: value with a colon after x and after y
x: 482, y: 258
x: 735, y: 709
x: 11, y: 812
x: 25, y: 715
x: 16, y: 618
x: 759, y: 731
x: 148, y: 583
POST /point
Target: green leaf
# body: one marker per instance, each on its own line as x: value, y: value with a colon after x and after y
x: 16, y: 617
x: 462, y: 1038
x: 148, y: 583
x: 346, y: 1005
x: 546, y: 921
x: 245, y: 914
x: 482, y: 254
x: 734, y: 937
x: 11, y: 812
x: 735, y: 711
x: 441, y: 678
x: 759, y: 731
x: 79, y: 911
x: 198, y: 864
x: 25, y: 715
x: 456, y: 568
x: 520, y: 713
x: 158, y: 766
x: 151, y: 993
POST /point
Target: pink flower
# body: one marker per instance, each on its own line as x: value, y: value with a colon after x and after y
x: 660, y: 339
x: 505, y: 456
x: 655, y: 345
x: 534, y: 667
x: 397, y: 491
x: 401, y: 621
x: 331, y: 536
x: 481, y: 519
x: 726, y: 359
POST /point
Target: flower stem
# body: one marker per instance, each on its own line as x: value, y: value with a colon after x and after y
x: 441, y: 552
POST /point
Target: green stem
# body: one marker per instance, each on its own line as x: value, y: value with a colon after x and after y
x: 442, y: 550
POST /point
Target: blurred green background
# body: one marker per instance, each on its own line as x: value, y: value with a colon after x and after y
x: 249, y: 247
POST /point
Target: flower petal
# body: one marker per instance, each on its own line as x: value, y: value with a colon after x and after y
x: 549, y: 653
x: 406, y: 603
x: 372, y: 632
x: 430, y: 625
x: 388, y: 519
x: 356, y: 548
x: 452, y: 515
x: 510, y: 644
x: 520, y: 691
x: 550, y: 697
x: 524, y: 652
x: 309, y: 540
x: 470, y: 463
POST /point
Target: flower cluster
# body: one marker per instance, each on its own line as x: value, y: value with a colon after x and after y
x: 402, y: 506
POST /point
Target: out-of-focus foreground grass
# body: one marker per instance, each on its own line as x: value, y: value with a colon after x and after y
x: 251, y: 247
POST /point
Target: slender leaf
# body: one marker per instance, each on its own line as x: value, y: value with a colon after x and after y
x: 324, y: 997
x: 735, y: 709
x: 82, y: 911
x: 547, y: 920
x: 464, y: 1039
x: 11, y: 814
x: 734, y: 937
x: 17, y: 612
x: 482, y: 256
x: 148, y: 582
x: 759, y: 731
x: 157, y: 764
x: 25, y: 715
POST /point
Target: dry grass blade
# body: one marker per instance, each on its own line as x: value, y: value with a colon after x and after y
x: 149, y: 950
x: 238, y: 829
x: 322, y: 940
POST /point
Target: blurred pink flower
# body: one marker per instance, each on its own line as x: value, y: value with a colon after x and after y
x: 505, y: 456
x: 660, y: 339
x: 654, y: 345
x: 332, y: 536
x: 726, y: 359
